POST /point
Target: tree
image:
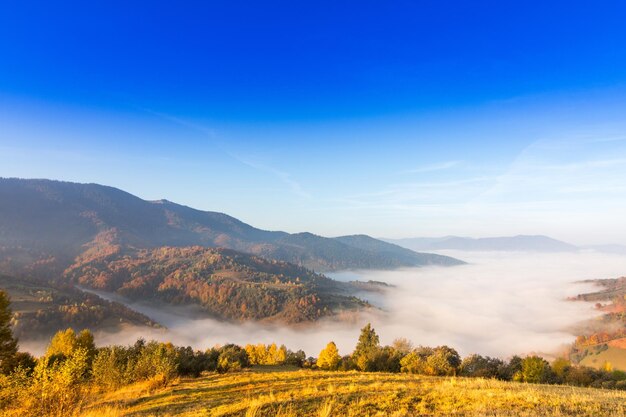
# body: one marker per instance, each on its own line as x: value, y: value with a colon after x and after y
x: 535, y: 369
x: 329, y: 357
x: 512, y: 368
x: 84, y: 340
x: 272, y: 353
x: 295, y: 358
x: 281, y: 355
x: 386, y: 359
x: 415, y: 361
x: 8, y: 344
x: 232, y: 358
x: 560, y: 367
x: 482, y: 367
x: 57, y: 385
x: 443, y: 361
x: 62, y: 343
x: 366, y: 348
x: 402, y: 345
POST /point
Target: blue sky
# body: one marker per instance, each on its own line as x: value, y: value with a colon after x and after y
x: 397, y: 119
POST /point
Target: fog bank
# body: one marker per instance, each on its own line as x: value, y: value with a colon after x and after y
x: 499, y: 304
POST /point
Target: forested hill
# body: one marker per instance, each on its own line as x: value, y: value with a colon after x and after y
x: 228, y: 284
x: 42, y: 217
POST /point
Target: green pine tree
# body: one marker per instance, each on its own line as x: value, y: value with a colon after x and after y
x: 8, y: 344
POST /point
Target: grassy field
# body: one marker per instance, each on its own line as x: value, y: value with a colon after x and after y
x: 323, y: 394
x: 614, y: 355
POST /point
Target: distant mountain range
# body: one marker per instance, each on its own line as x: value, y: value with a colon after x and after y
x: 521, y: 243
x: 65, y: 218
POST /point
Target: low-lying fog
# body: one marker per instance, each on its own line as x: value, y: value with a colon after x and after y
x: 499, y: 304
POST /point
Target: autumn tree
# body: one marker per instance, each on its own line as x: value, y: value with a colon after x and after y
x: 402, y: 345
x: 366, y: 348
x: 444, y: 361
x: 8, y: 344
x: 535, y: 369
x: 58, y: 386
x: 261, y: 354
x: 232, y: 358
x: 560, y: 366
x: 329, y: 357
x: 64, y: 342
x: 416, y: 361
x: 483, y: 367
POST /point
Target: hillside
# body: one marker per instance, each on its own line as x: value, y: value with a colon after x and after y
x: 314, y: 393
x: 602, y: 341
x: 521, y: 243
x: 58, y: 219
x: 405, y: 255
x: 41, y: 310
x: 227, y: 284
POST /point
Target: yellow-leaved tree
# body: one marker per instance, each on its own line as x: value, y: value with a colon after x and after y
x: 329, y: 357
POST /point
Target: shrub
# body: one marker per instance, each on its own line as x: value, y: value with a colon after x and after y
x: 415, y: 361
x: 57, y: 387
x: 192, y: 363
x: 232, y: 358
x: 110, y: 367
x: 156, y: 360
x: 535, y: 369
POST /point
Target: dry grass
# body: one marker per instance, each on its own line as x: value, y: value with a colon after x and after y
x: 325, y: 394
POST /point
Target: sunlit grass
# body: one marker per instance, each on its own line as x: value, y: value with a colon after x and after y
x: 325, y: 394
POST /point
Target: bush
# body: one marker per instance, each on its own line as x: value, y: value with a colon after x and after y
x: 386, y: 359
x: 232, y: 358
x: 441, y: 361
x: 536, y: 370
x: 415, y: 361
x: 156, y: 360
x: 444, y: 361
x: 192, y: 363
x: 57, y: 387
x: 118, y: 365
x: 110, y: 367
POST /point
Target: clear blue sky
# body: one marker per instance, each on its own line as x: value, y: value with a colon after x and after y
x: 391, y: 118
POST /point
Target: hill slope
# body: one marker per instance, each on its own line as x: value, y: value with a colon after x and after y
x: 41, y: 310
x: 61, y: 217
x: 228, y: 284
x: 312, y: 393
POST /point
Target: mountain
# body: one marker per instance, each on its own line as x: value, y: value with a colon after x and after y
x: 407, y: 256
x: 44, y: 218
x: 521, y: 243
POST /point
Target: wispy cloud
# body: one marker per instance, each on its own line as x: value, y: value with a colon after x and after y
x: 434, y: 167
x: 285, y: 177
x: 183, y: 122
x: 581, y: 165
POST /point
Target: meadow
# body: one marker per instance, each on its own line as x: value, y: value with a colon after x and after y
x: 278, y: 391
x: 615, y: 356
